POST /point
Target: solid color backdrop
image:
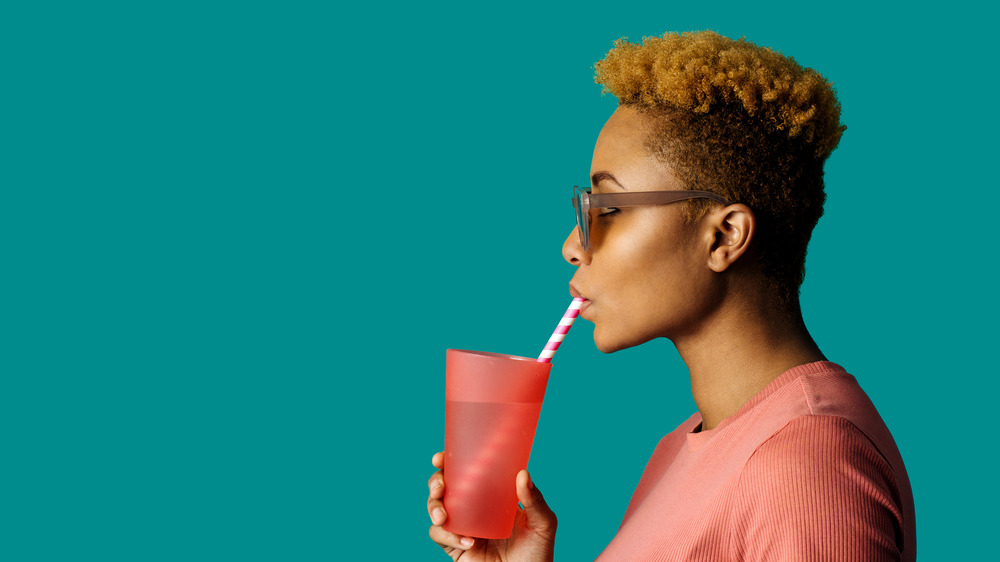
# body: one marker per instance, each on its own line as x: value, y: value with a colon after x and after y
x: 238, y: 238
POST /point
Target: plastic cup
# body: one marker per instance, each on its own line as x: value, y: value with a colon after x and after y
x: 492, y: 407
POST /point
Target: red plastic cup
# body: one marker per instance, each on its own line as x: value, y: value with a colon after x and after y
x: 492, y: 407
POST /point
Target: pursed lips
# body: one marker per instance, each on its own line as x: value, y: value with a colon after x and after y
x: 576, y: 294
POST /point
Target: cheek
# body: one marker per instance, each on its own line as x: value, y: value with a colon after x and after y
x: 628, y: 256
x: 657, y: 279
x: 648, y: 265
x: 650, y: 248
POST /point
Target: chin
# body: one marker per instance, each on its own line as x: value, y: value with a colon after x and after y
x: 610, y: 343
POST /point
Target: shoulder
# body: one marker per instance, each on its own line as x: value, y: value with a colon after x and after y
x: 820, y: 485
x: 825, y: 440
x: 825, y: 455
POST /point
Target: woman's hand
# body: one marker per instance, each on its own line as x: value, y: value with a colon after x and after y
x: 534, y: 533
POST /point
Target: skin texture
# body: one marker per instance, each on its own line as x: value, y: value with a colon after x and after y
x: 644, y: 275
x: 649, y: 274
x: 534, y: 533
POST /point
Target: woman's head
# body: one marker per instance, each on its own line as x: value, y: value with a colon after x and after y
x: 650, y: 272
x: 740, y: 120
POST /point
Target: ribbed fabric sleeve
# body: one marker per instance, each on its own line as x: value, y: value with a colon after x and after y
x: 805, y: 470
x: 817, y: 490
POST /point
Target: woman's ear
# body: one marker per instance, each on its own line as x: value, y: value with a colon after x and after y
x: 733, y: 228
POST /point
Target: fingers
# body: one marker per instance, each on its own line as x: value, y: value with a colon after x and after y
x: 537, y: 513
x: 437, y: 533
x: 450, y: 540
x: 435, y: 485
x: 436, y: 511
x: 435, y: 507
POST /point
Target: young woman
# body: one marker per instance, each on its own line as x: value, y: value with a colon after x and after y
x: 706, y: 183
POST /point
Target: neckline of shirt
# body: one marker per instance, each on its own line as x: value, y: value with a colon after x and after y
x: 697, y: 439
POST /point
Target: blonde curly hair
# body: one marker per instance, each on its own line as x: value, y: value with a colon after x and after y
x: 741, y: 120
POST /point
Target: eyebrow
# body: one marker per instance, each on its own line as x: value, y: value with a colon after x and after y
x: 598, y: 177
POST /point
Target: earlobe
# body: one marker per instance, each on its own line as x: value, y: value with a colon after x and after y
x: 734, y: 228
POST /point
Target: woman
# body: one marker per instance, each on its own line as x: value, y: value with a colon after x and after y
x: 786, y: 458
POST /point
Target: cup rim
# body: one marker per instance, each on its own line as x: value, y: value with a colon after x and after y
x: 498, y: 355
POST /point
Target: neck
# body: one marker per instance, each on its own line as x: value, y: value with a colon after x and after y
x: 738, y: 351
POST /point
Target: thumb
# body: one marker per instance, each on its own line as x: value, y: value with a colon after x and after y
x: 537, y: 514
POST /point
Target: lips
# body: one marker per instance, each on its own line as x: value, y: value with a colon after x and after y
x: 576, y: 294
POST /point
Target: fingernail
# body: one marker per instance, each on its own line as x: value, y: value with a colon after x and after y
x: 466, y: 541
x: 438, y: 515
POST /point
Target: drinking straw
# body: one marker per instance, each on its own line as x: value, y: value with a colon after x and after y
x: 557, y: 336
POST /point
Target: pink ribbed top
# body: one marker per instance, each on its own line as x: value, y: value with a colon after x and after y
x: 805, y: 470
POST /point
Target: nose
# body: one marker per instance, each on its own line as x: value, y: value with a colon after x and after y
x: 573, y: 251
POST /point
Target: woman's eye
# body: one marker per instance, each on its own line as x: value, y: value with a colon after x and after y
x: 605, y: 211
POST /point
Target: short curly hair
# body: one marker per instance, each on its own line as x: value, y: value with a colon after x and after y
x: 740, y: 120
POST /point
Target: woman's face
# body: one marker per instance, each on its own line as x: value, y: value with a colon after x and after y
x: 646, y: 274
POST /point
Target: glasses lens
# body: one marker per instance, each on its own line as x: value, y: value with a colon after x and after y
x: 582, y: 218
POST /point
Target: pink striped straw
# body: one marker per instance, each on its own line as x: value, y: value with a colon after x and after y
x: 557, y: 336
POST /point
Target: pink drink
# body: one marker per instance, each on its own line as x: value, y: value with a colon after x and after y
x: 492, y: 407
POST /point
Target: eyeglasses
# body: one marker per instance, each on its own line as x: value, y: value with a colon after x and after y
x: 584, y: 201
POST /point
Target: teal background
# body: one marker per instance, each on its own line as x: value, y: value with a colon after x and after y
x: 238, y: 237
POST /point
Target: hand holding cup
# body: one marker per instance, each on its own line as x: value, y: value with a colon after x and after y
x: 532, y: 539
